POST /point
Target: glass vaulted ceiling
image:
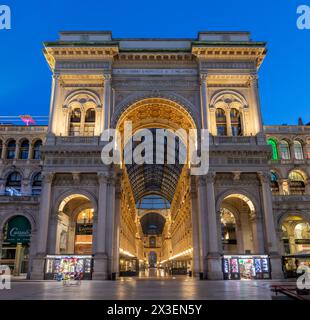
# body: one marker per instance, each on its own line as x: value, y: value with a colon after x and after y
x: 160, y: 179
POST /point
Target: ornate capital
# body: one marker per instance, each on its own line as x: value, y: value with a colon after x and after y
x: 103, y: 177
x: 264, y: 177
x: 107, y: 77
x: 210, y: 177
x: 47, y: 177
x: 253, y: 80
x: 203, y: 78
x: 56, y: 76
x: 201, y: 181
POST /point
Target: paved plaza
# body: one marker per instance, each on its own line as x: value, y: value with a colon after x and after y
x: 139, y: 289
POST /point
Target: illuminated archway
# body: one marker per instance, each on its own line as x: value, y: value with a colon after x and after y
x: 239, y: 226
x: 153, y: 180
x: 74, y: 231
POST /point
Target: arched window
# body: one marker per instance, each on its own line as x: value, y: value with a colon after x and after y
x: 24, y: 150
x: 37, y: 184
x: 1, y: 147
x: 75, y: 122
x: 10, y: 154
x: 235, y: 119
x: 37, y: 150
x: 76, y: 115
x: 274, y: 147
x: 221, y: 122
x: 13, y: 183
x: 90, y: 118
x: 90, y: 115
x: 274, y: 184
x: 285, y: 150
x: 296, y: 182
x: 298, y: 150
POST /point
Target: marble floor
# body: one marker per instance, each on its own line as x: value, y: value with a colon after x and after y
x: 144, y: 288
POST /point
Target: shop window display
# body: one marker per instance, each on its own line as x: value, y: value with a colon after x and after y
x: 246, y: 267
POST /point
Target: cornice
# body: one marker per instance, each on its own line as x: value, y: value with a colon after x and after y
x: 78, y: 51
x: 250, y: 51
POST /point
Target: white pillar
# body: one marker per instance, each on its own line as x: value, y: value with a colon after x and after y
x: 203, y: 224
x: 204, y: 101
x: 228, y: 122
x: 98, y: 121
x: 37, y: 271
x: 270, y: 228
x: 100, y: 259
x: 53, y: 105
x: 116, y: 234
x: 110, y: 223
x: 215, y: 271
x: 256, y: 104
x: 196, y: 261
x: 107, y: 100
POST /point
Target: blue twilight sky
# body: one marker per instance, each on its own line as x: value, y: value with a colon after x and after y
x: 284, y: 76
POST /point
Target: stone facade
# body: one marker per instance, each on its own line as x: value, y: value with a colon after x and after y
x: 209, y: 83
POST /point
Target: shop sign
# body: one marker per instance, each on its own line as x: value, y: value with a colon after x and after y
x: 302, y: 241
x: 18, y: 230
x: 84, y: 229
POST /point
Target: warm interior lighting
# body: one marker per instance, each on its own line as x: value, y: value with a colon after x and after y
x: 126, y: 253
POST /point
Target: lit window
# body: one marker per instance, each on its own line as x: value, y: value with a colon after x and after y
x: 221, y: 122
x: 298, y: 151
x: 285, y: 150
x: 274, y: 146
x: 90, y: 115
x: 235, y: 122
x: 296, y: 183
x: 274, y: 185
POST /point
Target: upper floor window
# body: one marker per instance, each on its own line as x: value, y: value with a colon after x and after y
x: 221, y: 124
x: 24, y: 150
x: 274, y: 147
x: 76, y: 115
x: 296, y: 182
x: 89, y: 126
x: 285, y: 150
x: 1, y: 147
x: 298, y: 150
x: 274, y: 184
x: 90, y: 115
x: 10, y: 154
x: 13, y: 182
x: 37, y: 150
x: 36, y: 184
x: 235, y: 122
x: 75, y: 122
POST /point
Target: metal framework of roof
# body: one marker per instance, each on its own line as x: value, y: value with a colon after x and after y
x: 153, y: 223
x: 155, y: 178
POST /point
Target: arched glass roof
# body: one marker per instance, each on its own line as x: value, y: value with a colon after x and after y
x: 153, y: 223
x: 154, y: 202
x: 155, y: 178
